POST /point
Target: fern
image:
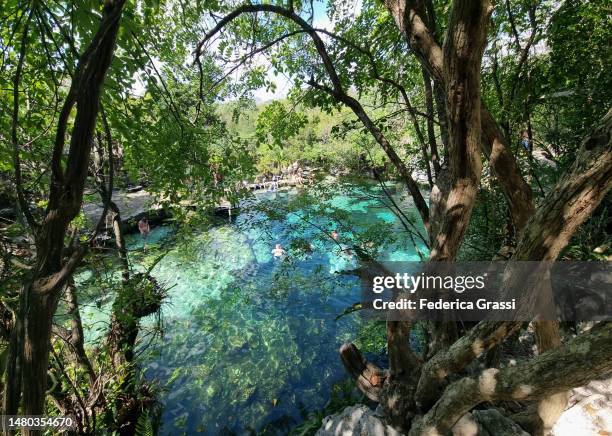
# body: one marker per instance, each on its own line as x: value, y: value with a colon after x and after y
x: 144, y: 426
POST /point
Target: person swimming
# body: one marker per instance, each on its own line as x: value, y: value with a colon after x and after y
x: 278, y: 251
x: 345, y: 250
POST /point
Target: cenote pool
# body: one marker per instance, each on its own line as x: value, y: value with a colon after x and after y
x: 250, y: 342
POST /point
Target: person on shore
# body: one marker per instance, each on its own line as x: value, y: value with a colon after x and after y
x: 334, y: 235
x: 274, y: 184
x: 278, y: 251
x: 525, y: 142
x: 144, y: 228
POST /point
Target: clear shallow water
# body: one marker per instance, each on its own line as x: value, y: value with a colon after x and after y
x: 251, y: 341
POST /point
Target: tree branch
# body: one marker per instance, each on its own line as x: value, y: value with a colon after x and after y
x: 411, y: 20
x: 23, y: 203
x: 481, y: 338
x: 337, y: 91
x: 573, y: 364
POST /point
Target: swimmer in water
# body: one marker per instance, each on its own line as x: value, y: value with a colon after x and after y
x: 278, y: 251
x: 345, y: 251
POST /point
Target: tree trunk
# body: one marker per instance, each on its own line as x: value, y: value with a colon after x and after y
x: 475, y: 343
x: 567, y: 206
x: 463, y: 46
x: 463, y: 49
x: 36, y: 351
x: 410, y: 18
x: 51, y: 271
x: 431, y: 134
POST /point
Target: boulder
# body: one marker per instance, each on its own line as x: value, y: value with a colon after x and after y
x: 358, y: 420
x: 589, y: 412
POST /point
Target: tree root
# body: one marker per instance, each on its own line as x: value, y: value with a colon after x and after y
x: 368, y: 377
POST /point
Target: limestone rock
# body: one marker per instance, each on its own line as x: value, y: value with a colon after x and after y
x: 358, y: 420
x: 589, y: 412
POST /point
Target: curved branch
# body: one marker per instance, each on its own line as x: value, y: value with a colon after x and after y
x: 289, y: 14
x: 396, y: 85
x: 337, y: 91
x: 248, y: 56
x: 481, y: 338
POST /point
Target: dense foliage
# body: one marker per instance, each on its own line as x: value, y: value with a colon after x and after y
x: 98, y: 98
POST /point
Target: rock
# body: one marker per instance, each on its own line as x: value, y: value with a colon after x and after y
x: 358, y: 420
x: 589, y: 412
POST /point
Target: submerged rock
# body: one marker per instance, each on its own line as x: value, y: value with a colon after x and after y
x: 356, y: 420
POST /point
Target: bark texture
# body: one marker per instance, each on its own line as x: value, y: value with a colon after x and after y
x: 411, y: 19
x: 480, y: 339
x: 463, y: 48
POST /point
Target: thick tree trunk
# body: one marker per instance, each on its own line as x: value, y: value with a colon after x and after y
x: 36, y: 351
x: 464, y: 46
x: 463, y: 49
x: 567, y: 206
x: 12, y: 382
x: 410, y: 18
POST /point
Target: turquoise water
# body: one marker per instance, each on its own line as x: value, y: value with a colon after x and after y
x: 250, y: 342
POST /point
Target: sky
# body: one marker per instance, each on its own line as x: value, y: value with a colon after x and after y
x: 283, y: 85
x: 321, y: 20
